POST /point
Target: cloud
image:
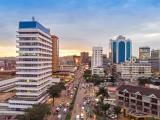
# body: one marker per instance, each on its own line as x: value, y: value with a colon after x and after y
x: 81, y: 24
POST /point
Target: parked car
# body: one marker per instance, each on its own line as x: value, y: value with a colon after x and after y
x: 59, y: 117
x: 65, y: 110
x: 68, y: 104
x: 82, y: 116
x: 58, y: 109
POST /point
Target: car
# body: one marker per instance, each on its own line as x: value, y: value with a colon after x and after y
x: 58, y: 109
x: 82, y: 116
x: 63, y: 100
x: 59, y: 117
x: 88, y: 101
x: 68, y: 104
x: 60, y: 105
x: 65, y: 110
x: 77, y: 117
x: 82, y: 109
x: 71, y: 96
x: 84, y: 103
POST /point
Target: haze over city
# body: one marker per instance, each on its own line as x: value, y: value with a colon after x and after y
x: 81, y: 24
x: 80, y: 60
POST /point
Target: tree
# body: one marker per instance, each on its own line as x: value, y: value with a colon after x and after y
x: 61, y: 85
x: 152, y: 118
x: 55, y: 90
x: 142, y: 81
x: 103, y: 92
x: 113, y: 80
x: 37, y: 112
x: 87, y: 75
x: 96, y: 79
x: 105, y: 107
x: 117, y: 111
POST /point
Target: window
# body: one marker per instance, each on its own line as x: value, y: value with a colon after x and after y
x: 139, y: 97
x: 133, y: 95
x: 154, y: 100
x: 120, y: 92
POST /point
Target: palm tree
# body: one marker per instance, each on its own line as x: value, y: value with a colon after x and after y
x: 103, y: 92
x: 117, y: 111
x: 37, y: 112
x: 105, y: 107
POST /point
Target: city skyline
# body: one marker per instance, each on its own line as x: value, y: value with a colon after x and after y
x: 93, y: 22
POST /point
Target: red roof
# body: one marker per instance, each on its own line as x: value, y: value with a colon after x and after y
x: 140, y: 89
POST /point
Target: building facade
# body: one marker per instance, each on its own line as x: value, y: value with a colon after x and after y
x: 70, y: 60
x: 155, y: 60
x: 139, y: 101
x: 132, y: 71
x: 97, y: 60
x: 121, y: 49
x: 84, y: 58
x: 33, y: 66
x: 55, y: 53
x: 7, y: 85
x: 144, y: 53
x: 97, y: 57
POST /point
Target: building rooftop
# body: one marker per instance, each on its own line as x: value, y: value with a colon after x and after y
x: 6, y: 96
x: 33, y: 25
x: 141, y: 90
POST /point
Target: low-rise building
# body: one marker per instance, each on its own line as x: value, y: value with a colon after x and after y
x: 98, y: 71
x: 70, y: 68
x: 132, y: 71
x: 139, y: 101
x: 7, y: 84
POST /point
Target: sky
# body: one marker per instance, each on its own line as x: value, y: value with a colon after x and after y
x: 82, y: 24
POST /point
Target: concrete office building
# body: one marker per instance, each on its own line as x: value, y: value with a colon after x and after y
x: 97, y: 57
x: 97, y: 61
x: 84, y: 58
x: 55, y: 53
x: 34, y: 67
x: 155, y: 60
x: 144, y: 53
x: 132, y: 71
x: 121, y: 49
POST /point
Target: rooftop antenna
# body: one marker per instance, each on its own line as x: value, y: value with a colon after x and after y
x: 33, y: 19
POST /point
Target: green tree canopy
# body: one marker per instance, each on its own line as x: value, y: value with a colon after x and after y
x: 103, y: 92
x: 55, y: 90
x: 87, y: 75
x: 117, y: 111
x: 105, y: 107
x: 142, y: 81
x: 96, y: 79
x: 37, y: 112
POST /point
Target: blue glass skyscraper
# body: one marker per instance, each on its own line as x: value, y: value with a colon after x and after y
x: 121, y: 49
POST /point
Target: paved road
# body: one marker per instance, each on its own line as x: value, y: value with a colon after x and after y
x: 77, y: 106
x: 65, y: 97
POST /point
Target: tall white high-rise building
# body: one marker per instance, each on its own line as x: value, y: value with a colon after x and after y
x: 97, y: 55
x: 97, y: 61
x: 34, y: 65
